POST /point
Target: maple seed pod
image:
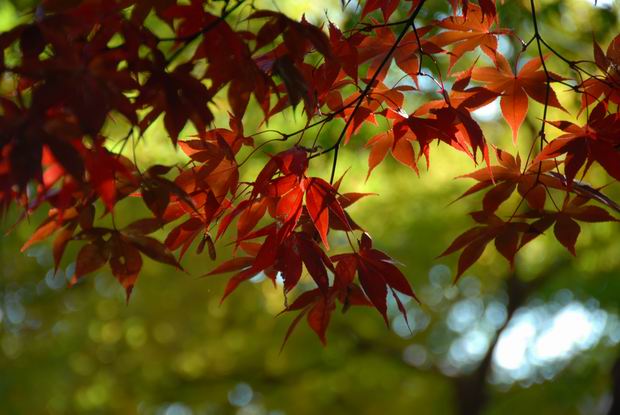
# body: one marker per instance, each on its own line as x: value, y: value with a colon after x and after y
x: 208, y: 241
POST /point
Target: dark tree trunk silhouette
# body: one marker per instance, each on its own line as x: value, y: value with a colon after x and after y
x: 471, y: 389
x: 615, y: 392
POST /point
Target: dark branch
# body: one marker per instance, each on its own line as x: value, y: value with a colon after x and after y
x: 409, y: 22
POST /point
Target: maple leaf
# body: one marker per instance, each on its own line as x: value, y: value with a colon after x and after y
x: 597, y: 140
x: 448, y: 120
x: 105, y: 171
x: 286, y: 257
x: 378, y: 102
x: 294, y: 81
x: 345, y: 50
x: 474, y: 241
x: 50, y: 225
x: 487, y: 7
x: 530, y: 182
x: 608, y: 87
x: 515, y: 89
x: 566, y: 228
x: 178, y: 96
x: 376, y: 272
x: 406, y: 55
x: 471, y: 30
x: 387, y: 7
x: 76, y: 66
x: 319, y: 306
x: 321, y: 203
x: 189, y: 18
x: 401, y: 149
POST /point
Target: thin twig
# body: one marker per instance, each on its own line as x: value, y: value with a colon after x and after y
x: 187, y: 40
x: 368, y: 88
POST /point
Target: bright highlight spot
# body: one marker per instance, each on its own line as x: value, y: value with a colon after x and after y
x: 489, y: 112
x: 541, y: 340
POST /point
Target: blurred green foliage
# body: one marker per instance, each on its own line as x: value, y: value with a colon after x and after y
x: 174, y: 350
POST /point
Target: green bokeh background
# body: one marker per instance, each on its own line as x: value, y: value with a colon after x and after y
x: 173, y: 350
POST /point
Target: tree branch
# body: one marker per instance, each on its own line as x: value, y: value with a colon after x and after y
x: 369, y: 86
x: 471, y: 391
x: 190, y: 38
